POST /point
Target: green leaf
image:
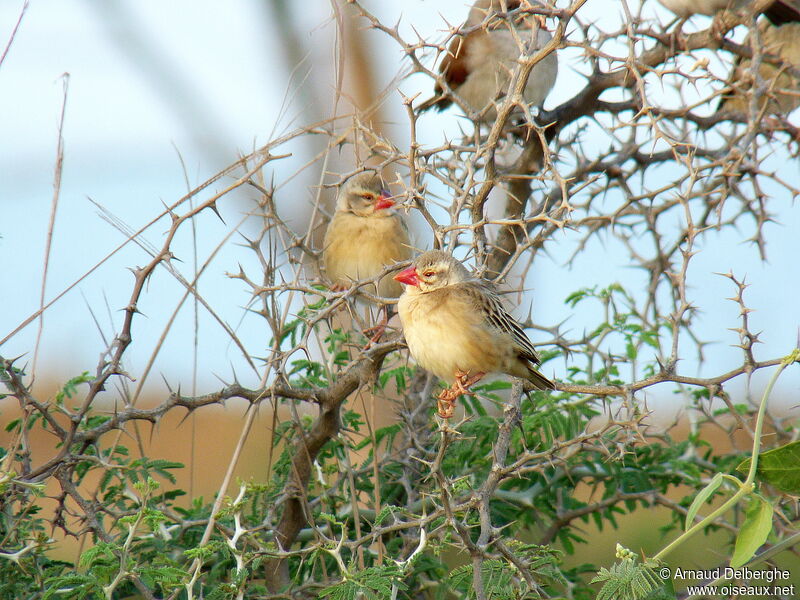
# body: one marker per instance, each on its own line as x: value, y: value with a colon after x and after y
x: 200, y: 552
x: 628, y: 580
x: 102, y: 552
x: 346, y: 590
x: 166, y: 576
x: 386, y: 511
x: 754, y: 531
x: 330, y: 519
x: 575, y: 297
x: 701, y: 498
x: 497, y: 580
x: 473, y: 406
x: 373, y: 583
x: 73, y: 585
x: 665, y: 592
x: 779, y: 467
x: 71, y: 387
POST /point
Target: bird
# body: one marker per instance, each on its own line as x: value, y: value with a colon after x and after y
x: 783, y: 95
x: 780, y: 36
x: 365, y: 236
x: 687, y: 8
x: 479, y: 63
x: 779, y: 11
x: 456, y: 327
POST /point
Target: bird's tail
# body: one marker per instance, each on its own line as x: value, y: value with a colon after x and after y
x: 539, y: 381
x: 438, y: 102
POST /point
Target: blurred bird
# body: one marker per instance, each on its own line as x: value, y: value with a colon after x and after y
x: 365, y: 236
x: 687, y: 8
x: 779, y: 11
x: 479, y: 64
x: 783, y: 95
x: 456, y: 328
x: 780, y: 35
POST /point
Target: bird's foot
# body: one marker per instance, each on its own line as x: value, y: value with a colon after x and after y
x: 464, y: 381
x: 378, y: 330
x: 339, y: 287
x: 446, y: 401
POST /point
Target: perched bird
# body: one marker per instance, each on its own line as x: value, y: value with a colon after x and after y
x: 783, y: 94
x: 456, y: 328
x: 779, y: 11
x: 479, y: 64
x: 365, y: 235
x: 780, y: 35
x: 687, y: 8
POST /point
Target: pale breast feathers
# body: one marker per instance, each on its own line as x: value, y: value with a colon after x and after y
x: 359, y: 248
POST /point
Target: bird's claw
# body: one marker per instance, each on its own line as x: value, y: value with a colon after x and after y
x: 463, y: 381
x: 446, y: 400
x: 446, y: 403
x: 378, y: 330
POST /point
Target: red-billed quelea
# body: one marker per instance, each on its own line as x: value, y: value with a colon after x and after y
x: 479, y: 64
x: 780, y: 36
x: 782, y: 95
x: 456, y: 328
x: 779, y: 11
x: 365, y: 235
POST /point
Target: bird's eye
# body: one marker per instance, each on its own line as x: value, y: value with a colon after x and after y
x: 429, y: 273
x: 367, y: 197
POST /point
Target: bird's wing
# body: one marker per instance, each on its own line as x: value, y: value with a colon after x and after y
x: 453, y: 70
x: 495, y: 316
x: 453, y: 67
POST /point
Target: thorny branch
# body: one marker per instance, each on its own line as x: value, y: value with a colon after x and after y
x: 617, y: 162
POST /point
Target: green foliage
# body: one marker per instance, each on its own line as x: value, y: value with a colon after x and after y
x: 498, y: 582
x: 70, y: 389
x: 630, y: 579
x: 377, y: 527
x: 754, y: 531
x: 779, y: 467
x: 399, y: 375
x: 73, y: 585
x: 706, y: 493
x: 145, y: 544
x: 374, y: 583
x: 623, y: 320
x: 501, y: 579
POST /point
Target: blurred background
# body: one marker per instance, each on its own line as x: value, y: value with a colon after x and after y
x: 160, y: 96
